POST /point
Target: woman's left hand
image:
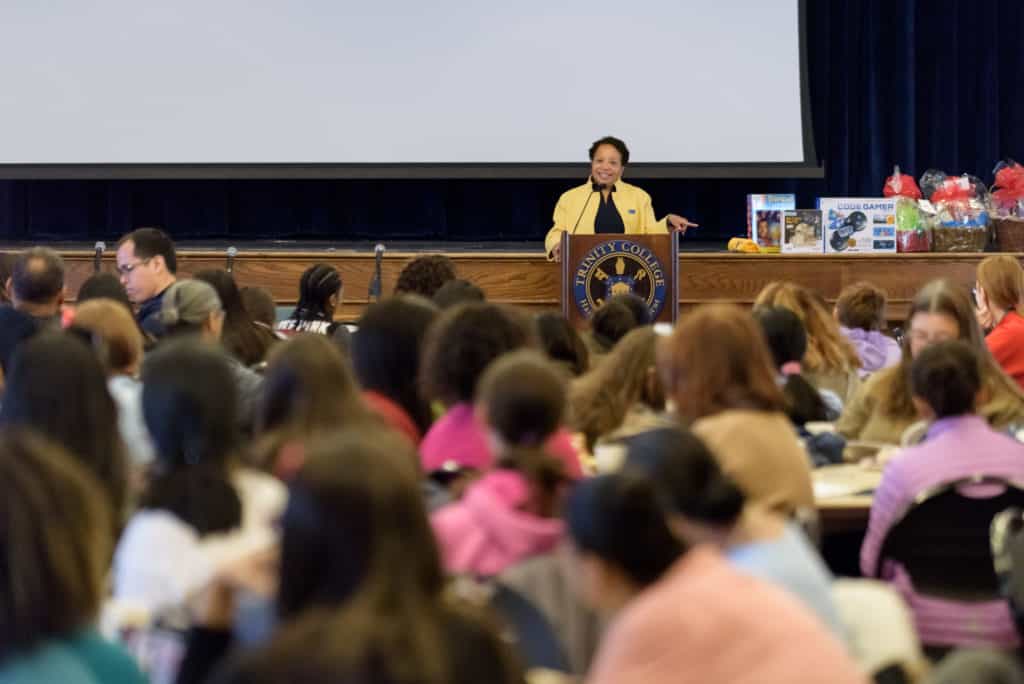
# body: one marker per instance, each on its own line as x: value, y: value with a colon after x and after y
x: 678, y: 223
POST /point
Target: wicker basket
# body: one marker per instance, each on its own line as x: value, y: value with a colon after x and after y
x: 1009, y: 234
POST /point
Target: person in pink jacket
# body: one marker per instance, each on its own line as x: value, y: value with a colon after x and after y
x: 682, y: 616
x: 509, y: 514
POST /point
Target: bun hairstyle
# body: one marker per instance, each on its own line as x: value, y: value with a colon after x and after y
x: 947, y: 375
x: 688, y: 476
x: 618, y: 518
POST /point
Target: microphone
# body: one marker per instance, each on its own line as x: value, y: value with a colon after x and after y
x: 97, y: 259
x: 375, y: 283
x: 595, y: 188
x: 232, y: 253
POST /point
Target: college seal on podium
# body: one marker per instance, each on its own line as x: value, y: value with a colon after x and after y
x: 619, y: 267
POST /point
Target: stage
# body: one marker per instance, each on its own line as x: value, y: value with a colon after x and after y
x: 519, y: 274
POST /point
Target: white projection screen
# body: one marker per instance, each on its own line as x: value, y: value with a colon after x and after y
x: 401, y: 88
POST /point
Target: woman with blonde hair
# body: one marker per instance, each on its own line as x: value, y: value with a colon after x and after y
x: 717, y: 369
x: 831, y: 362
x: 883, y: 409
x: 1000, y: 294
x: 624, y: 387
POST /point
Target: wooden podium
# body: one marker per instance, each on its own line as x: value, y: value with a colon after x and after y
x: 596, y: 267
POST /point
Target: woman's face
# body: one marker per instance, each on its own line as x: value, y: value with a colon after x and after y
x: 606, y: 166
x: 928, y: 328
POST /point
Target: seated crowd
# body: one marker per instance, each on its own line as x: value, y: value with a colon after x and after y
x: 449, y: 490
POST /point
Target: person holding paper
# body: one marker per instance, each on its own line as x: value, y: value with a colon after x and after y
x: 607, y: 204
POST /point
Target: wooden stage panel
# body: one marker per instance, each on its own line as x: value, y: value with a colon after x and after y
x: 527, y: 279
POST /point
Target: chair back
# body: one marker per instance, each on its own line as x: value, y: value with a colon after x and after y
x: 943, y: 543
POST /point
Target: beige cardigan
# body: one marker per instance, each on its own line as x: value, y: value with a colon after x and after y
x: 761, y: 452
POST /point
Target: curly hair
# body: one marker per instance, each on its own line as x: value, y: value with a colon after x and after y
x: 425, y: 275
x: 460, y: 345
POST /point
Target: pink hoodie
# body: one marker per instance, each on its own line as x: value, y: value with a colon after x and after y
x: 487, y: 531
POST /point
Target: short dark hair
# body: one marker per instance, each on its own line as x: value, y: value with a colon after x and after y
x: 619, y: 315
x: 38, y: 275
x: 151, y: 242
x: 457, y: 291
x: 614, y: 142
x: 562, y: 343
x: 425, y: 275
x: 55, y: 543
x: 947, y: 375
x: 460, y: 345
x: 103, y: 285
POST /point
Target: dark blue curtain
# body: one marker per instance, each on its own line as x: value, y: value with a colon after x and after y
x: 921, y: 83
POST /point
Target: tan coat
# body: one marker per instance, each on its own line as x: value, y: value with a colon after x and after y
x: 760, y: 451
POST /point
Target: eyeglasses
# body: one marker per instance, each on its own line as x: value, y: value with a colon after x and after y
x: 128, y: 268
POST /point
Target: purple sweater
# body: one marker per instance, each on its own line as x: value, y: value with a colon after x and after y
x: 954, y: 448
x: 875, y: 350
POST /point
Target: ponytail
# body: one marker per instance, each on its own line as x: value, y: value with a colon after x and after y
x: 201, y: 495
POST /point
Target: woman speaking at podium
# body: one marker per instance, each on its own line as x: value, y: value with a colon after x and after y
x: 606, y: 204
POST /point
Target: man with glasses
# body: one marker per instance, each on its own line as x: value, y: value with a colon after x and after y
x: 147, y: 264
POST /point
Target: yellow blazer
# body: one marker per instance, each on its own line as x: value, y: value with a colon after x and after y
x: 634, y: 206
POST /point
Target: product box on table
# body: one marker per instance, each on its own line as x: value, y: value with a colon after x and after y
x: 802, y: 232
x: 764, y: 219
x: 859, y: 225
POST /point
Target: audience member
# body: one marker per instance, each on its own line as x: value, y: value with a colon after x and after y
x: 320, y: 291
x: 259, y: 303
x: 706, y: 507
x: 860, y: 311
x: 946, y: 379
x: 240, y: 336
x: 612, y: 321
x: 455, y: 292
x: 831, y: 362
x: 460, y: 345
x: 58, y: 387
x: 1000, y: 294
x: 6, y: 265
x: 308, y: 389
x: 685, y: 615
x: 55, y: 546
x: 883, y: 408
x: 510, y: 513
x: 191, y: 308
x: 114, y: 325
x: 978, y: 667
x: 103, y: 285
x: 425, y: 275
x: 718, y: 371
x: 36, y: 289
x: 386, y: 351
x: 623, y: 393
x: 562, y: 343
x: 361, y: 591
x: 147, y: 263
x: 200, y: 510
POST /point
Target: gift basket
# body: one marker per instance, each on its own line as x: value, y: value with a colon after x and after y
x: 957, y: 210
x: 1007, y: 202
x: 913, y: 233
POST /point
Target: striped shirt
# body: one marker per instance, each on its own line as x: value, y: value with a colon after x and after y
x: 954, y: 448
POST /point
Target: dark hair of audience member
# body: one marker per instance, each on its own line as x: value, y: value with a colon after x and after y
x: 562, y: 343
x: 460, y: 345
x: 861, y: 305
x: 947, y: 376
x: 686, y: 474
x: 425, y: 275
x: 57, y: 386
x: 55, y: 543
x: 241, y: 337
x: 7, y: 260
x: 361, y: 578
x: 616, y: 318
x: 190, y: 408
x: 523, y: 397
x: 787, y: 340
x: 259, y: 302
x: 717, y: 359
x: 618, y: 519
x: 386, y: 350
x: 37, y: 276
x: 317, y: 285
x: 149, y: 242
x: 600, y: 400
x: 456, y: 292
x: 103, y: 285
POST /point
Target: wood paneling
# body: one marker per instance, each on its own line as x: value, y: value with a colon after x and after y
x: 526, y: 279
